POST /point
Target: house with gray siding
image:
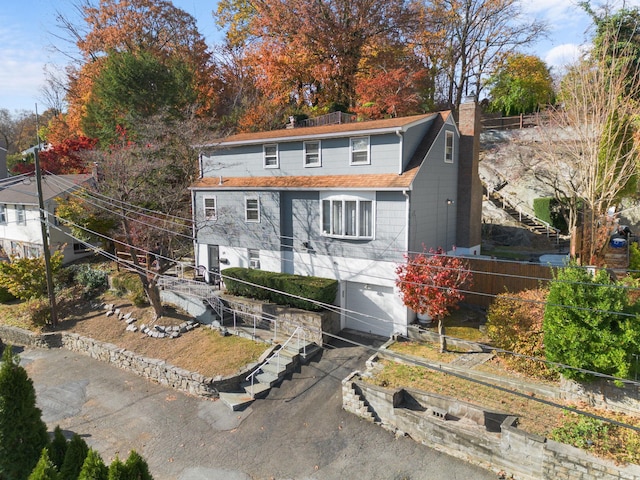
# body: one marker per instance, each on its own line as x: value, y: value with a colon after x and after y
x: 344, y: 201
x: 20, y: 222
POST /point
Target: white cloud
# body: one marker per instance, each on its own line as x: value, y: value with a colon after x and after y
x: 563, y: 55
x: 21, y: 68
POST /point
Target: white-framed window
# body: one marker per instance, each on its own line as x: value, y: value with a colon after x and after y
x: 252, y: 209
x: 209, y: 206
x: 254, y: 258
x: 270, y: 152
x: 360, y: 151
x: 348, y: 216
x: 31, y: 251
x: 448, y: 147
x: 312, y: 155
x: 21, y: 218
x: 3, y: 214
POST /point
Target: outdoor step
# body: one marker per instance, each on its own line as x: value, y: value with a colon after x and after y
x: 299, y: 347
x: 257, y: 390
x: 275, y: 368
x: 236, y: 401
x: 267, y: 378
x: 311, y: 351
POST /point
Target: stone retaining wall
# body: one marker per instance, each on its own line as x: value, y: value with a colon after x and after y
x: 315, y: 324
x: 485, y: 438
x: 152, y: 369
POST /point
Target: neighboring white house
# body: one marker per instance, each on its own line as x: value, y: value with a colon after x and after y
x: 20, y: 230
x: 343, y: 201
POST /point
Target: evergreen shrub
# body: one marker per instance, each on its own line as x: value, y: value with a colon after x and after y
x: 296, y: 288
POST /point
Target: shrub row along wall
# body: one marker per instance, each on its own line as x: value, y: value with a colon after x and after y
x: 150, y: 368
x: 485, y: 438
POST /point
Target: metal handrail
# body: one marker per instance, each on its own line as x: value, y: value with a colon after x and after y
x: 276, y: 355
x: 206, y: 293
x: 517, y: 205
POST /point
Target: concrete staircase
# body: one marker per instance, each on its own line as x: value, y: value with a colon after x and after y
x: 354, y: 402
x: 270, y: 373
x: 528, y: 220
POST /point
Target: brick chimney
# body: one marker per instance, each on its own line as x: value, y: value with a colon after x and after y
x: 469, y: 208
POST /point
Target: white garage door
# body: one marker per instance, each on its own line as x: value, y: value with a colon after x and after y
x: 374, y: 306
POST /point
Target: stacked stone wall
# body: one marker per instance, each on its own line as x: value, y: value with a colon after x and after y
x: 152, y: 369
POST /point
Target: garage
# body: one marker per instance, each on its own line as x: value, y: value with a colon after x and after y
x: 376, y: 307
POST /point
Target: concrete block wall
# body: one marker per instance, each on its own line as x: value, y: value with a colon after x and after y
x: 465, y: 433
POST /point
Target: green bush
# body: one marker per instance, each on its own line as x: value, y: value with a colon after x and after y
x: 24, y: 278
x: 542, y: 208
x: 590, y: 324
x: 128, y: 284
x: 581, y: 432
x: 550, y: 210
x: 297, y: 288
x: 92, y: 279
x: 634, y: 260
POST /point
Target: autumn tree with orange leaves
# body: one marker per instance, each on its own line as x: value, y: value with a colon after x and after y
x: 308, y: 55
x: 431, y: 283
x: 136, y: 27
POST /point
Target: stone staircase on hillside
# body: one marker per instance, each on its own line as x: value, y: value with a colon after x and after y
x: 528, y: 220
x: 283, y: 361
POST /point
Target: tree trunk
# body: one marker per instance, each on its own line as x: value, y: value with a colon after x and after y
x: 153, y: 294
x: 443, y: 338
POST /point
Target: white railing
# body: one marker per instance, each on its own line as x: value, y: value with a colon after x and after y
x: 524, y: 210
x: 300, y: 334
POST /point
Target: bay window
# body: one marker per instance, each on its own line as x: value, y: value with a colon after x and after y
x: 347, y: 216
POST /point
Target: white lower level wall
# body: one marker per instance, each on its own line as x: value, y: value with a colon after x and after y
x: 370, y: 283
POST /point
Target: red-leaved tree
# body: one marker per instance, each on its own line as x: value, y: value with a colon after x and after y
x: 431, y: 283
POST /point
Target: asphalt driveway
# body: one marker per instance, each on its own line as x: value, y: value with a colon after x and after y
x: 298, y: 432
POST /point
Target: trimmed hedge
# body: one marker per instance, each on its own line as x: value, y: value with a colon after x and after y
x: 316, y: 289
x: 542, y: 208
x: 549, y: 210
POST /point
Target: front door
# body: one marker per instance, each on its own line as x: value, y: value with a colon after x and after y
x: 214, y: 262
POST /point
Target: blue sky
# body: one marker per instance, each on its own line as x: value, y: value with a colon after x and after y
x: 28, y: 29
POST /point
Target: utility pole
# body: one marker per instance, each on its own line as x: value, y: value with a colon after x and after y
x: 45, y: 232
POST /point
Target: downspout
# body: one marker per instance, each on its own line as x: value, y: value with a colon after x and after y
x: 400, y: 150
x: 406, y: 219
x: 200, y: 167
x: 196, y: 258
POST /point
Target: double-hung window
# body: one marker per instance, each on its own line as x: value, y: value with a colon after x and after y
x: 348, y: 216
x: 448, y: 147
x: 3, y: 214
x: 360, y: 151
x: 312, y: 154
x: 210, y: 212
x: 270, y: 152
x: 252, y: 209
x: 21, y: 218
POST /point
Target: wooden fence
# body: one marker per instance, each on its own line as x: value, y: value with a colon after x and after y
x: 518, y: 121
x: 493, y: 277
